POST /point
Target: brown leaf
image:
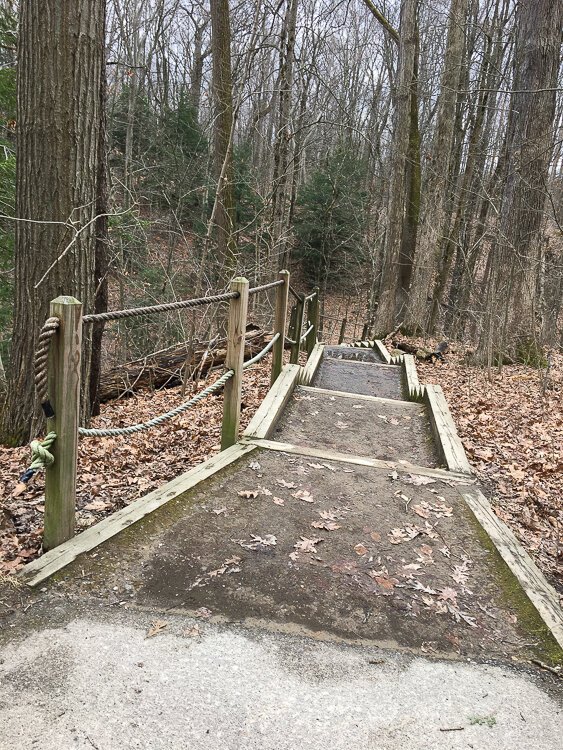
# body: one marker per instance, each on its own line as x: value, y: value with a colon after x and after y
x: 327, y: 525
x: 307, y: 545
x: 304, y: 495
x: 279, y: 500
x: 360, y: 549
x: 289, y: 485
x: 248, y: 493
x: 156, y: 627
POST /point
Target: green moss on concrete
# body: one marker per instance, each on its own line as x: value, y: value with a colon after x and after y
x: 515, y: 600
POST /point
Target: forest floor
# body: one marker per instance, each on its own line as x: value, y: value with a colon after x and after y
x: 511, y: 424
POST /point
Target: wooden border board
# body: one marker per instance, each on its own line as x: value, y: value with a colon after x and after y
x: 308, y: 372
x: 380, y: 347
x: 539, y: 592
x: 414, y: 389
x: 59, y: 557
x: 374, y: 463
x: 356, y: 396
x: 447, y: 439
x: 269, y: 411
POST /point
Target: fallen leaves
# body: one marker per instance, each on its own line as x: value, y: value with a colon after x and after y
x: 304, y: 495
x: 307, y: 545
x: 156, y: 627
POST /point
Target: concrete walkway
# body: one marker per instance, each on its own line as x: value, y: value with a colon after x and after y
x: 329, y: 589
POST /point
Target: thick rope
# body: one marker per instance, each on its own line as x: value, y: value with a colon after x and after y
x: 48, y: 330
x: 41, y: 457
x: 182, y: 304
x: 110, y: 432
x: 307, y: 332
x: 219, y: 383
x: 262, y: 354
x: 263, y: 287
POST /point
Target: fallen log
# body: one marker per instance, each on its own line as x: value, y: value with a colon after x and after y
x: 166, y: 369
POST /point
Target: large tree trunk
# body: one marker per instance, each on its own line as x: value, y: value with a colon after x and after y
x: 395, y: 268
x: 60, y: 66
x: 432, y: 228
x: 223, y: 218
x: 510, y: 320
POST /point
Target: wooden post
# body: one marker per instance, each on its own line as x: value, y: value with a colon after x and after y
x: 292, y: 319
x: 365, y: 332
x: 296, y: 348
x: 282, y: 293
x: 313, y: 317
x: 342, y: 331
x: 64, y: 390
x: 234, y: 361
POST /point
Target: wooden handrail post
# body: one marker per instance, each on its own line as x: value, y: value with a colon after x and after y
x: 292, y: 319
x: 313, y: 317
x: 234, y: 361
x: 64, y: 389
x: 296, y: 348
x: 342, y: 331
x: 282, y: 293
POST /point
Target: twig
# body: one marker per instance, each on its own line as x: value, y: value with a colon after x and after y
x: 553, y: 670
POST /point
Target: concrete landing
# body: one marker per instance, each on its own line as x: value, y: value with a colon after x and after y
x: 91, y: 679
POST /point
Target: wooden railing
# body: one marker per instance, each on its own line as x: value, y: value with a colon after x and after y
x: 64, y: 370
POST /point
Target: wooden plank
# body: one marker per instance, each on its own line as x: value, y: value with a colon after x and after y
x: 539, y: 592
x: 374, y: 463
x: 234, y: 361
x: 313, y: 310
x: 269, y: 411
x: 53, y: 561
x: 308, y: 372
x: 362, y: 364
x: 356, y: 396
x: 282, y: 293
x: 414, y: 388
x: 382, y: 349
x: 443, y: 426
x: 64, y: 389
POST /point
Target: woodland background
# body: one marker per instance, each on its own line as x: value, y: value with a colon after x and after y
x: 404, y: 156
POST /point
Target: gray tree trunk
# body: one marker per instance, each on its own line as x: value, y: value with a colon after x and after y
x: 60, y: 67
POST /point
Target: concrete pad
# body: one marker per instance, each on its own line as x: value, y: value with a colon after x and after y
x: 369, y: 379
x: 392, y: 431
x: 93, y: 680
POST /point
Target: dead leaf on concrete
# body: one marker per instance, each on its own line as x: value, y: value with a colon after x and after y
x: 248, y: 494
x: 156, y: 627
x: 307, y: 545
x: 304, y: 495
x: 279, y: 500
x: 360, y: 549
x: 327, y: 525
x: 289, y: 485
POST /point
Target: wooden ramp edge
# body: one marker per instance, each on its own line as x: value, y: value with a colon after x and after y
x: 59, y: 557
x: 529, y: 576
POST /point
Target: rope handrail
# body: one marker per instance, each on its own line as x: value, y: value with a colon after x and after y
x: 307, y: 332
x: 263, y: 287
x: 114, y: 431
x: 182, y: 304
x: 294, y: 293
x: 261, y: 354
x: 219, y: 383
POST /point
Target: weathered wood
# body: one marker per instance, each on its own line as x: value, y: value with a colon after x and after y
x: 308, y: 372
x: 342, y: 330
x: 64, y: 387
x: 539, y: 592
x: 443, y: 426
x: 382, y: 349
x: 234, y: 361
x: 296, y: 348
x: 40, y: 569
x: 360, y: 396
x: 414, y: 388
x: 313, y: 317
x: 167, y: 368
x: 282, y: 294
x: 269, y: 411
x: 374, y: 463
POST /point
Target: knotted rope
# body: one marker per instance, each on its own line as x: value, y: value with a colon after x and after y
x: 41, y: 457
x: 48, y: 330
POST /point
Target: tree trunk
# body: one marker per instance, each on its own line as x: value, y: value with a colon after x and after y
x: 223, y: 218
x: 60, y: 66
x: 402, y: 134
x: 435, y: 194
x: 510, y: 320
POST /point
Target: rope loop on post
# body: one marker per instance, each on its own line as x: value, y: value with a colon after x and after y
x: 41, y: 456
x: 48, y: 330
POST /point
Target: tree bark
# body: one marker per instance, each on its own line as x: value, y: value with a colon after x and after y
x: 510, y: 319
x: 60, y: 66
